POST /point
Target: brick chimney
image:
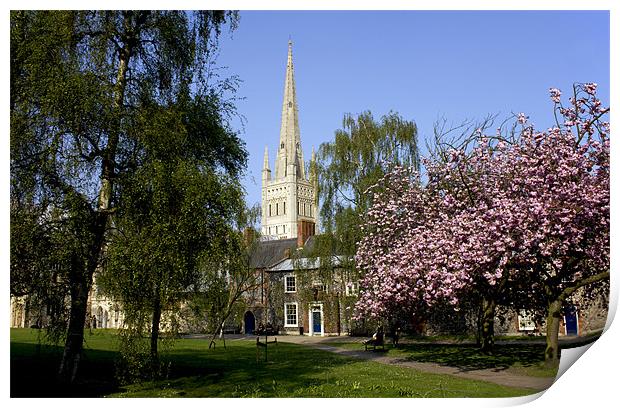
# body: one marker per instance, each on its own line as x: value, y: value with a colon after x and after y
x: 305, y: 229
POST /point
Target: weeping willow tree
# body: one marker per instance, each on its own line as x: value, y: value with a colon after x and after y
x: 362, y: 152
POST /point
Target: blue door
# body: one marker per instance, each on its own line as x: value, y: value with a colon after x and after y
x: 316, y: 322
x: 570, y: 317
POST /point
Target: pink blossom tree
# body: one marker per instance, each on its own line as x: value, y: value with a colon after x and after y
x: 532, y: 211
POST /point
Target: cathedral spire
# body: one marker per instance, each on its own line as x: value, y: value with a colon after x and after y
x: 289, y: 159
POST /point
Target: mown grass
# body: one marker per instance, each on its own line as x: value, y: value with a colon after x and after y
x: 196, y: 371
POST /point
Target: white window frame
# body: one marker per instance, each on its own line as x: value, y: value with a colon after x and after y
x: 286, y: 285
x: 286, y: 308
x: 318, y: 284
x: 525, y: 321
x: 352, y: 289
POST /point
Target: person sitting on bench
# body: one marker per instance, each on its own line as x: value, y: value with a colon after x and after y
x: 376, y: 341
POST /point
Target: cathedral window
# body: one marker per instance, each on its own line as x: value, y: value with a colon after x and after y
x: 290, y: 104
x: 270, y: 211
x: 277, y: 209
x: 310, y: 210
x: 284, y: 207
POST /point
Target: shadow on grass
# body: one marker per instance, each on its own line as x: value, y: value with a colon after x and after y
x: 469, y: 357
x: 34, y: 368
x: 235, y: 372
x: 192, y: 370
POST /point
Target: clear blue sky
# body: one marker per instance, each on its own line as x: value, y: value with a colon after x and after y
x: 421, y: 64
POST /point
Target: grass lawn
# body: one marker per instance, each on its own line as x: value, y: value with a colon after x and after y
x: 520, y: 359
x: 195, y: 371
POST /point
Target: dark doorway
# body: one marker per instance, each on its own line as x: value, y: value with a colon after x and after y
x: 570, y: 316
x: 249, y: 322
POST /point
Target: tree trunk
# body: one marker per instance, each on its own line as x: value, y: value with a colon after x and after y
x: 554, y: 312
x: 479, y: 326
x: 488, y: 322
x: 75, y: 334
x: 81, y: 278
x: 155, y: 334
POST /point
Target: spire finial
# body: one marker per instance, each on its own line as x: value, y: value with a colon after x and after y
x: 266, y: 159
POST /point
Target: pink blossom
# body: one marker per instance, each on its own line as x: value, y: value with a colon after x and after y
x: 545, y: 197
x: 555, y: 94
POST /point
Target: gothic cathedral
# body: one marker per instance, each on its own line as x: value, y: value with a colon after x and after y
x: 289, y: 198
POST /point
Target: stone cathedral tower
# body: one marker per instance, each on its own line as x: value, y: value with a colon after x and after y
x: 289, y: 198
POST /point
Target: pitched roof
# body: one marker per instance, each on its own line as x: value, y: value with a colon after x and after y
x: 287, y: 265
x: 270, y: 252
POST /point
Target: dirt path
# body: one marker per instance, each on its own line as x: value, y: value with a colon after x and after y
x: 497, y: 376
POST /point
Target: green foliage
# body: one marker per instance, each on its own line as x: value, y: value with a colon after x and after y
x: 106, y: 104
x: 361, y: 153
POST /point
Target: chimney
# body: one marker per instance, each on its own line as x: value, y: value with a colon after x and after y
x: 304, y: 230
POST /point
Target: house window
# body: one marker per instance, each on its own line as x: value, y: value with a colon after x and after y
x: 290, y: 314
x: 319, y: 286
x: 352, y: 289
x: 289, y: 284
x: 526, y: 323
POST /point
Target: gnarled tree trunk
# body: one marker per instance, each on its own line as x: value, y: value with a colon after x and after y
x: 554, y: 313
